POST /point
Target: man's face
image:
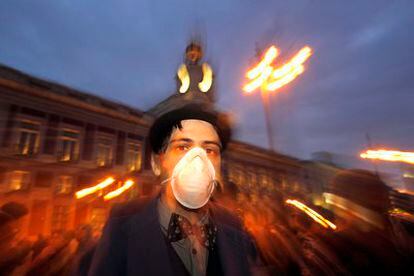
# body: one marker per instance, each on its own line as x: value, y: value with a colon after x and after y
x: 194, y: 133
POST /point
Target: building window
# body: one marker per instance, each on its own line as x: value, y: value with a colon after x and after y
x: 134, y: 157
x: 104, y: 154
x: 264, y: 179
x: 235, y: 175
x: 64, y: 185
x: 284, y: 184
x: 28, y: 138
x: 69, y: 141
x: 19, y: 180
x: 60, y: 218
x: 252, y: 179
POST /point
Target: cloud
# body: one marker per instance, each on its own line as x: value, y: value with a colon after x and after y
x: 359, y: 79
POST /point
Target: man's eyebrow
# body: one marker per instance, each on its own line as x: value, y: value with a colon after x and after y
x: 182, y: 140
x: 212, y: 143
x: 188, y: 140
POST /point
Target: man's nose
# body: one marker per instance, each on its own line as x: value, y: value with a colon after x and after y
x: 198, y: 163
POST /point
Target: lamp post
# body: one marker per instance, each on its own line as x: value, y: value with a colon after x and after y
x: 268, y: 79
x: 266, y: 106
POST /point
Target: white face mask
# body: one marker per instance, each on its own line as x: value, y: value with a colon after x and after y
x: 193, y: 179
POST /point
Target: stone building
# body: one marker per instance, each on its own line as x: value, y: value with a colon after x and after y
x: 55, y: 140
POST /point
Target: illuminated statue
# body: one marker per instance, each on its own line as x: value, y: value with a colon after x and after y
x: 195, y: 78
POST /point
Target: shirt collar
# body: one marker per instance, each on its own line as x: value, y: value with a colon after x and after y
x: 165, y: 213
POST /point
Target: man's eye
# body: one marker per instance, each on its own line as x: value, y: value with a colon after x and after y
x: 182, y: 147
x: 210, y: 151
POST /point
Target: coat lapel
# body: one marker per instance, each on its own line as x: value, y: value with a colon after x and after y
x: 147, y: 252
x: 230, y: 246
x: 147, y: 249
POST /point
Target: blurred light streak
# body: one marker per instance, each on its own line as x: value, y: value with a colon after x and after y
x: 285, y: 79
x: 312, y: 213
x: 354, y: 209
x: 87, y: 191
x: 127, y: 184
x: 408, y: 175
x: 389, y: 155
x: 290, y: 70
x: 261, y: 72
x: 259, y: 81
x: 184, y: 78
x: 207, y: 81
x: 269, y: 56
x: 402, y: 214
x: 269, y: 78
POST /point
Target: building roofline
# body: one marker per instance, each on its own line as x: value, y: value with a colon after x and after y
x: 241, y: 146
x: 23, y: 82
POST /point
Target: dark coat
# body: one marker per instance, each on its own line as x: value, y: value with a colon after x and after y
x: 133, y: 244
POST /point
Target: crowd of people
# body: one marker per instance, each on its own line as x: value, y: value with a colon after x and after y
x: 62, y: 253
x: 366, y: 239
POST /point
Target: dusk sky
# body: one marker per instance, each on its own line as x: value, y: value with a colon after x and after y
x: 359, y: 80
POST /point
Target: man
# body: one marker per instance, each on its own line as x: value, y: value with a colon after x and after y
x: 182, y: 231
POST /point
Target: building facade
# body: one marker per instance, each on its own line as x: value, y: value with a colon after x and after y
x: 55, y: 141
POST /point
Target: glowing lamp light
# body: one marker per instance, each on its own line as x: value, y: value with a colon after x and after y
x: 389, y: 155
x: 269, y: 57
x: 87, y: 191
x: 184, y: 78
x: 269, y: 78
x: 312, y: 213
x: 207, y: 81
x: 127, y: 184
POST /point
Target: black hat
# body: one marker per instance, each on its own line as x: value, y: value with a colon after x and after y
x: 163, y: 126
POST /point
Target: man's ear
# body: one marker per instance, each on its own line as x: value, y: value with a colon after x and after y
x: 156, y: 164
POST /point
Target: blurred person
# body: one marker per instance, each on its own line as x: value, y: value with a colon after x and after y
x: 181, y: 231
x: 85, y: 238
x: 365, y: 239
x: 85, y: 251
x: 56, y: 257
x: 39, y: 245
x: 15, y: 250
x: 319, y: 257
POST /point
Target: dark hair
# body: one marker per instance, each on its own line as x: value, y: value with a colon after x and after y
x: 163, y: 126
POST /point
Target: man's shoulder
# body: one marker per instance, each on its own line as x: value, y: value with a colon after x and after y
x: 224, y: 216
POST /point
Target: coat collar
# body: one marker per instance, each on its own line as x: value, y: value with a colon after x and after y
x: 147, y: 252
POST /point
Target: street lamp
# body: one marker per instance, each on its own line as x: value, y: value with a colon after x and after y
x: 268, y: 78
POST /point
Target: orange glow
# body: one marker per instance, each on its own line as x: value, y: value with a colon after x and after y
x: 312, y: 213
x: 389, y: 155
x: 87, y: 191
x: 127, y: 184
x: 269, y: 78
